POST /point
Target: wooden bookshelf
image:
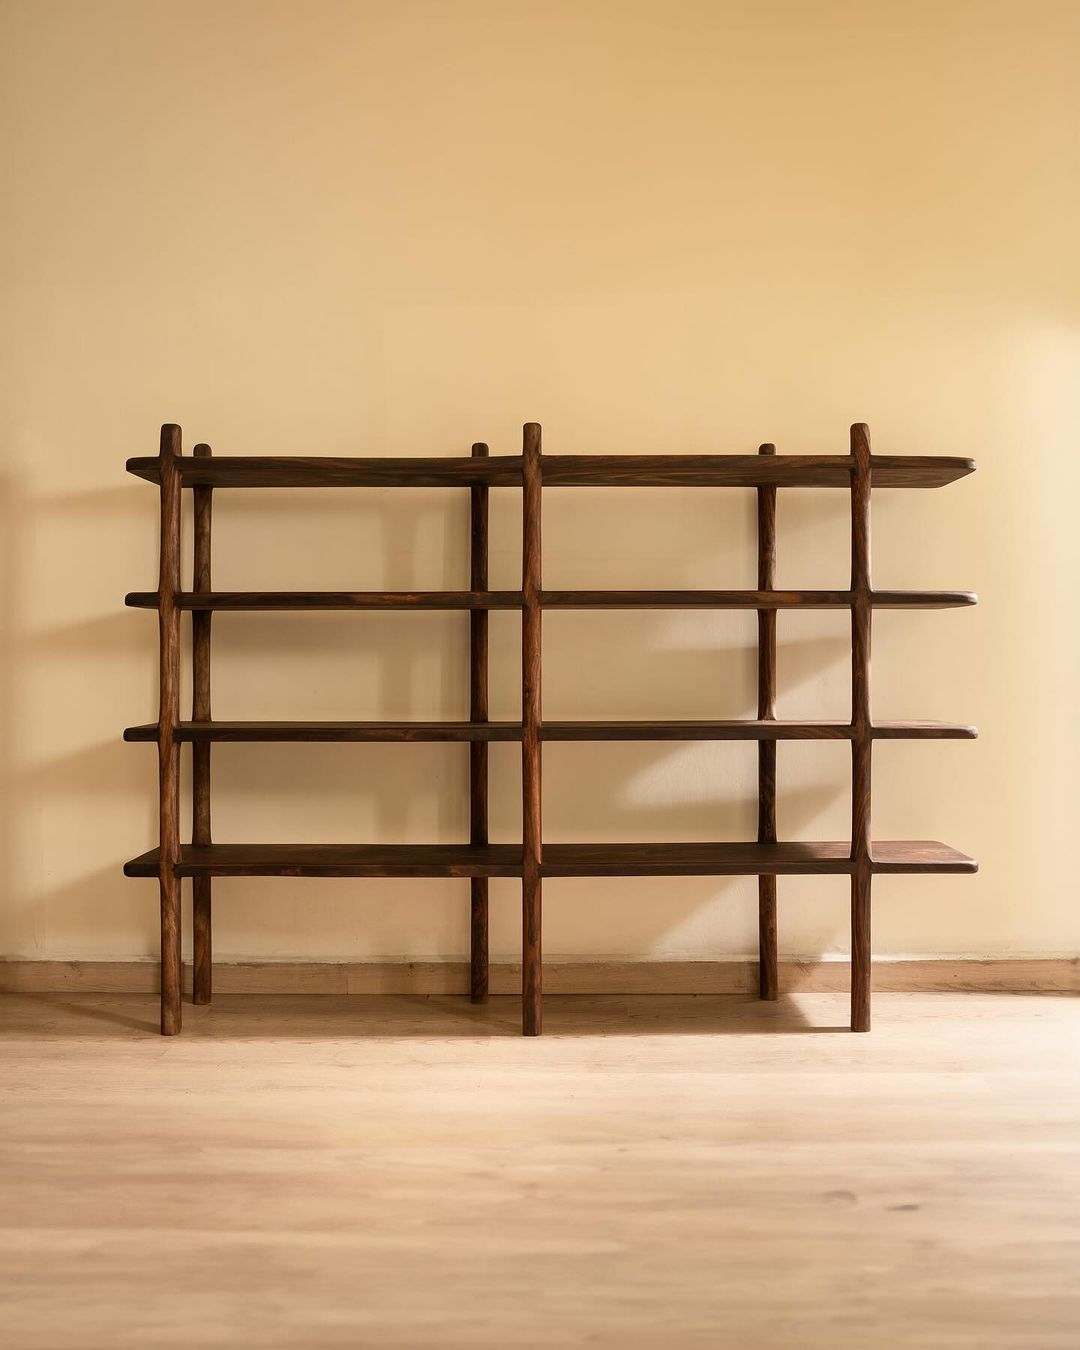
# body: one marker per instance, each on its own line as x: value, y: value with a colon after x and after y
x: 860, y: 858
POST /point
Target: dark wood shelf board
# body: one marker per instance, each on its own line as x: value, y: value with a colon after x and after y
x: 337, y: 860
x: 748, y: 729
x: 888, y: 471
x: 750, y: 859
x: 916, y: 471
x: 483, y: 600
x: 333, y: 731
x: 759, y: 600
x: 558, y: 860
x: 923, y: 730
x: 672, y: 730
x: 322, y: 600
x: 230, y: 471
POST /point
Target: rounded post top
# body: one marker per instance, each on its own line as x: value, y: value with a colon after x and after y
x: 767, y: 448
x: 531, y: 439
x: 170, y: 439
x: 860, y: 444
x: 479, y: 449
x: 201, y: 451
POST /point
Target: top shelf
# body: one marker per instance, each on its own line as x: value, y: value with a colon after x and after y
x: 890, y: 471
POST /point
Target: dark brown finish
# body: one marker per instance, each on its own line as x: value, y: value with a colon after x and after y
x: 335, y: 731
x: 255, y: 600
x: 747, y: 470
x: 763, y: 599
x: 531, y: 992
x: 762, y: 729
x: 748, y: 730
x: 339, y: 860
x: 201, y: 899
x: 478, y: 860
x: 559, y: 860
x: 862, y: 741
x: 168, y: 716
x: 915, y: 471
x: 315, y: 600
x: 478, y: 751
x: 782, y: 859
x: 228, y: 471
x: 768, y: 963
x: 861, y: 958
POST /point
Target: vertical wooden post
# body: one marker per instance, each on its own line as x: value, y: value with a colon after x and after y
x: 530, y: 735
x: 168, y: 716
x: 861, y: 743
x: 203, y: 954
x: 478, y: 750
x: 768, y: 973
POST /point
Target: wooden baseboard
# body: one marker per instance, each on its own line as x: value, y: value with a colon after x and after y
x: 1033, y: 975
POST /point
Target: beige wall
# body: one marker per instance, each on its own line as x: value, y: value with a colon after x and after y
x: 395, y: 228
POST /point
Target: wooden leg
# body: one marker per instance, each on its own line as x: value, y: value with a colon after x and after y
x: 170, y: 953
x: 531, y: 992
x: 478, y: 750
x: 768, y: 966
x: 202, y: 938
x: 531, y: 799
x: 478, y: 973
x: 201, y: 913
x: 860, y: 949
x: 862, y: 737
x: 768, y: 979
x: 168, y: 716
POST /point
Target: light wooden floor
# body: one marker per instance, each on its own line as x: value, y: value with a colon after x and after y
x: 652, y: 1173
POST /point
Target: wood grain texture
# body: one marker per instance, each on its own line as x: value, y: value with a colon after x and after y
x: 335, y: 731
x: 687, y: 1173
x: 697, y: 599
x: 748, y: 729
x: 168, y: 853
x: 320, y: 600
x: 339, y: 860
x: 760, y: 599
x: 915, y: 471
x: 780, y: 859
x: 531, y: 713
x: 201, y: 892
x: 862, y: 741
x: 230, y: 471
x: 478, y: 715
x: 766, y: 655
x: 747, y: 470
x: 676, y: 729
x: 559, y: 860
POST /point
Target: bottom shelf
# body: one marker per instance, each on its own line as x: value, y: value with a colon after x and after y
x: 559, y: 860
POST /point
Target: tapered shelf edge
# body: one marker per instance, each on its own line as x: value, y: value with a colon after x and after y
x: 888, y: 471
x: 643, y: 730
x: 596, y: 599
x: 750, y: 859
x: 558, y: 860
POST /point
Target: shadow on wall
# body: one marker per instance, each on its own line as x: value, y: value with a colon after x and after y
x: 62, y: 899
x: 67, y: 789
